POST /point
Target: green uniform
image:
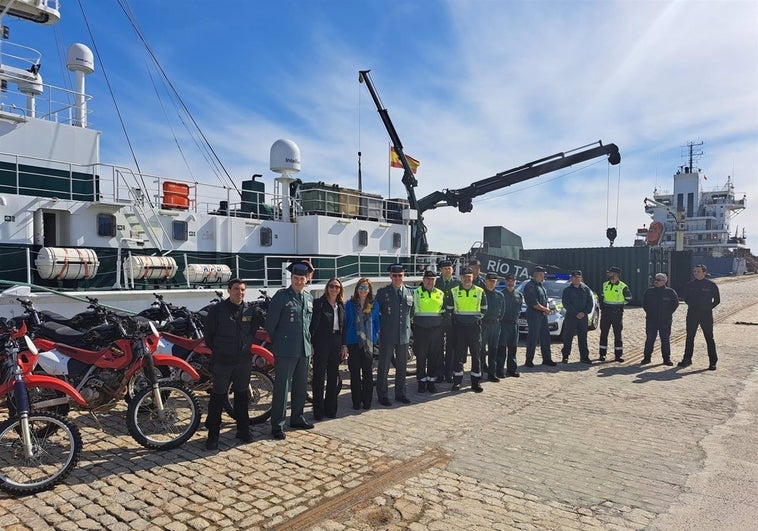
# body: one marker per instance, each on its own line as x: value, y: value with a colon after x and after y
x: 508, y: 340
x: 448, y: 333
x: 288, y: 322
x: 491, y: 331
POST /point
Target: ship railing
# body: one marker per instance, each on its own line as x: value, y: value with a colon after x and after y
x: 348, y: 268
x: 118, y: 184
x: 54, y: 104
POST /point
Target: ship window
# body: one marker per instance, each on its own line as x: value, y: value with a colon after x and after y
x: 106, y: 225
x: 397, y: 240
x: 267, y: 237
x: 179, y: 230
x: 363, y: 238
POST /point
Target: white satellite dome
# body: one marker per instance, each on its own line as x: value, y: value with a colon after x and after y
x: 285, y: 157
x: 80, y: 59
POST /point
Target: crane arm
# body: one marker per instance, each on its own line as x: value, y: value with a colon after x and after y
x: 418, y: 231
x: 462, y: 197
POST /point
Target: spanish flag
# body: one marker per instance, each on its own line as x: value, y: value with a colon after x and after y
x: 395, y: 161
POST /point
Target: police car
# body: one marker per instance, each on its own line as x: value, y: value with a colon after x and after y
x: 554, y: 285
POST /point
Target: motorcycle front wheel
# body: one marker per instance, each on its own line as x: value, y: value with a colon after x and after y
x: 55, y: 447
x: 163, y: 429
x: 260, y: 395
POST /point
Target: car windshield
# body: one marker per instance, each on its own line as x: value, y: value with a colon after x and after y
x: 555, y: 288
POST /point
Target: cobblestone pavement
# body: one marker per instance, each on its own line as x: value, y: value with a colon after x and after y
x: 606, y: 446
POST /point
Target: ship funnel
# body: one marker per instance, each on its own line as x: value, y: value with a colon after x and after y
x: 285, y: 159
x: 81, y: 62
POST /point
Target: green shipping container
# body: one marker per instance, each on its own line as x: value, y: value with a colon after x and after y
x: 639, y: 264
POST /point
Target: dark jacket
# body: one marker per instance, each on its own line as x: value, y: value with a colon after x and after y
x: 701, y: 296
x: 322, y: 322
x: 229, y: 331
x: 576, y: 300
x: 660, y: 303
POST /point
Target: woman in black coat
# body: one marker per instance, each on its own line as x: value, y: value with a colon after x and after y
x: 329, y: 348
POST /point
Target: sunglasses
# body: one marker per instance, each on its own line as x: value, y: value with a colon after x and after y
x: 335, y: 286
x: 660, y: 280
x: 362, y: 288
x: 395, y: 275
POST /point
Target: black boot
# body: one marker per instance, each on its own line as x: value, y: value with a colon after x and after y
x: 242, y: 416
x: 431, y: 387
x: 212, y: 442
x: 421, y: 386
x: 213, y: 420
x: 456, y: 383
x: 475, y: 384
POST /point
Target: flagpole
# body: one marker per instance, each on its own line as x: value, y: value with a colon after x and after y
x: 389, y: 170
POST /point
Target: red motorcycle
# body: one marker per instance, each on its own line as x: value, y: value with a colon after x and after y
x: 37, y: 449
x: 161, y: 415
x: 182, y: 336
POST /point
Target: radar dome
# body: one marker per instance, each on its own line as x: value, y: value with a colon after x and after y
x: 80, y: 59
x: 285, y: 157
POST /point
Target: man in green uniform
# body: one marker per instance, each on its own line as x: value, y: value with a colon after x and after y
x: 395, y: 313
x: 491, y: 326
x: 508, y: 340
x: 446, y: 282
x: 476, y: 266
x: 288, y: 322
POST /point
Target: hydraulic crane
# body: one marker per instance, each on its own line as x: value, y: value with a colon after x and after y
x: 462, y: 197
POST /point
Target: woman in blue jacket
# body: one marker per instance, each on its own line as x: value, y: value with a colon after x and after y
x: 362, y: 331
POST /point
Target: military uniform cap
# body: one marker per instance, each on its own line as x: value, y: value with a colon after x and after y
x: 538, y: 269
x: 576, y: 273
x: 300, y: 268
x: 396, y: 268
x: 474, y: 262
x: 614, y: 269
x: 510, y: 276
x: 430, y: 274
x: 491, y: 276
x: 467, y: 271
x: 446, y: 263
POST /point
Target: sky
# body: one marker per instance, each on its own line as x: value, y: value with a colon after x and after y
x: 473, y: 87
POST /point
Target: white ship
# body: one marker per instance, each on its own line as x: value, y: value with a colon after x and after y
x: 74, y: 226
x: 691, y: 218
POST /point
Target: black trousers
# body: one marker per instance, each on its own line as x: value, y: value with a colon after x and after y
x: 238, y: 376
x: 326, y: 366
x: 611, y: 319
x: 705, y: 321
x: 654, y: 329
x: 360, y: 363
x: 571, y: 327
